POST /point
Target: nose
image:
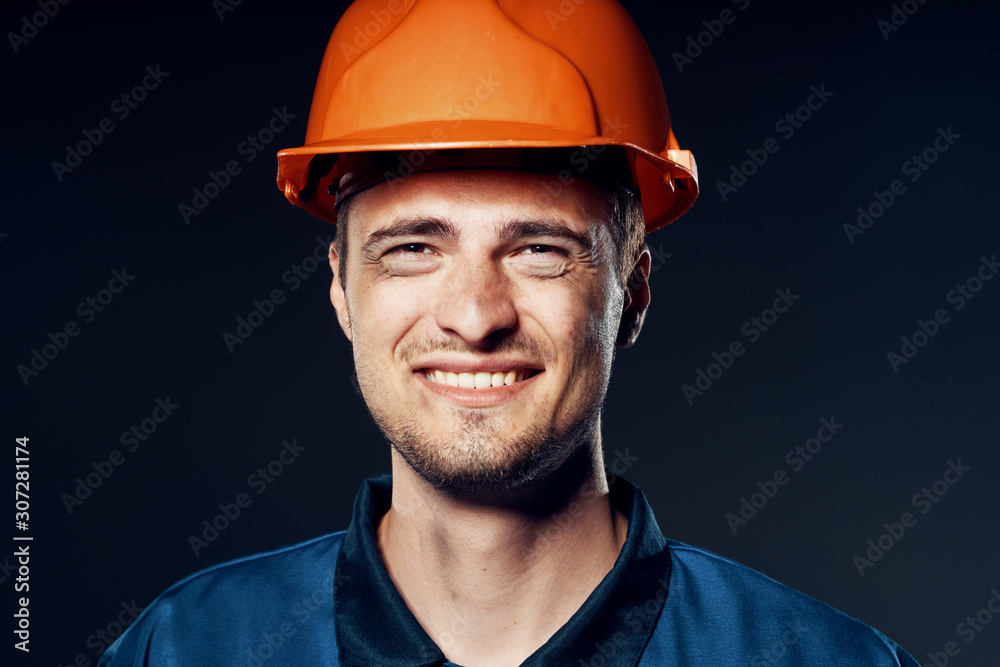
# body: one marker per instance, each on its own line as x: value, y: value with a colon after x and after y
x: 476, y: 303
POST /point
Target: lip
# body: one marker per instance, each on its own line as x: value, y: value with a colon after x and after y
x: 477, y: 398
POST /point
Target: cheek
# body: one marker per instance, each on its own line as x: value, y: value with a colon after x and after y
x: 382, y: 316
x: 578, y: 321
x: 598, y: 329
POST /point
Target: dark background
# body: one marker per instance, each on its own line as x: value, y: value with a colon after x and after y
x: 824, y: 358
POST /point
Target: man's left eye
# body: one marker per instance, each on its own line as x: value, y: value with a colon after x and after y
x: 410, y: 248
x: 538, y: 248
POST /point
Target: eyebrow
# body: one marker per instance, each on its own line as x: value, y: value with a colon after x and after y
x: 510, y: 231
x: 521, y: 229
x: 429, y: 227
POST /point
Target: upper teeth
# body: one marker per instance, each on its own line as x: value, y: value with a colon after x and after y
x: 480, y: 380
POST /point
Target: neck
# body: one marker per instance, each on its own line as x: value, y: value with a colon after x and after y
x: 492, y: 582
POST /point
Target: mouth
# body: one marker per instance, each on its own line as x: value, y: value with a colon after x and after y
x: 480, y: 379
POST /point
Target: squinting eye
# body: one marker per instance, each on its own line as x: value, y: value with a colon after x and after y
x: 411, y: 248
x: 540, y: 249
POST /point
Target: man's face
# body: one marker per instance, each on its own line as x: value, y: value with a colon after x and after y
x: 483, y: 315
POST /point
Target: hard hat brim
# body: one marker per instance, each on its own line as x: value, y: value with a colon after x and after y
x: 661, y: 205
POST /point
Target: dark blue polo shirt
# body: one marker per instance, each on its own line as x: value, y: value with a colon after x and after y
x: 329, y: 601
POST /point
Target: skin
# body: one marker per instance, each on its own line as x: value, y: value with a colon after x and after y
x: 501, y: 524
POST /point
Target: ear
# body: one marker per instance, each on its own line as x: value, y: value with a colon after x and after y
x: 337, y: 296
x: 636, y: 301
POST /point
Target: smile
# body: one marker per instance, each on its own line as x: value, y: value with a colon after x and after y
x: 481, y: 379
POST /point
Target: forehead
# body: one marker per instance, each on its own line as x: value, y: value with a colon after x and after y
x: 481, y: 197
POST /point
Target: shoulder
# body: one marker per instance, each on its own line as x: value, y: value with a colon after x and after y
x: 233, y: 607
x: 719, y: 610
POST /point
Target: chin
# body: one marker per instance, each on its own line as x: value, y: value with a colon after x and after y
x: 484, y: 463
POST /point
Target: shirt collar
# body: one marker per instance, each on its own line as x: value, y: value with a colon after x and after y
x: 375, y: 627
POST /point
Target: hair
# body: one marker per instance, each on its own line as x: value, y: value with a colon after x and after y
x: 628, y: 231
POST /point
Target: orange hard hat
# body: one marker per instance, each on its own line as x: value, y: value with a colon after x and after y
x: 423, y: 75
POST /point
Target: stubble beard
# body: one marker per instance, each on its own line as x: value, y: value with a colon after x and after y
x: 483, y: 461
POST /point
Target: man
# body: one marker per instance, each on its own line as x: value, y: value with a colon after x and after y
x: 492, y: 173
